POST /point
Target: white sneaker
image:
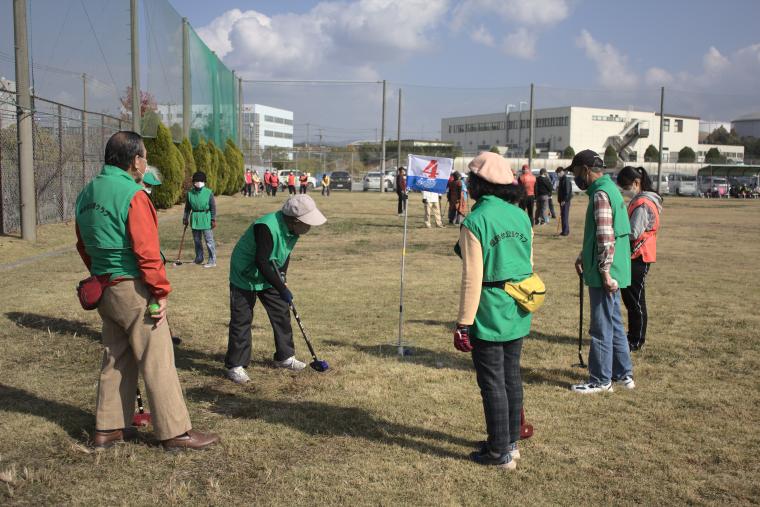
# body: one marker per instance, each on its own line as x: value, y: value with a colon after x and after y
x: 210, y: 265
x: 238, y: 375
x: 626, y: 382
x: 291, y: 363
x: 590, y: 388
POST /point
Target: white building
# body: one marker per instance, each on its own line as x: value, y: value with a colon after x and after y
x: 629, y: 132
x: 265, y: 127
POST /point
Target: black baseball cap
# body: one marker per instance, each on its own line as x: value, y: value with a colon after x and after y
x: 588, y: 158
x: 199, y: 176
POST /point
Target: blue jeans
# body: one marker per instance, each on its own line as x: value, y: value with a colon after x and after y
x: 609, y: 356
x: 208, y: 236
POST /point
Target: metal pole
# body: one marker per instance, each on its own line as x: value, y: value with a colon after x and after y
x: 662, y: 122
x: 2, y: 200
x: 398, y: 134
x: 84, y: 129
x: 62, y: 192
x: 308, y: 138
x: 530, y: 132
x: 240, y: 113
x: 135, y: 53
x: 187, y: 108
x: 400, y: 345
x: 382, y: 149
x: 24, y: 118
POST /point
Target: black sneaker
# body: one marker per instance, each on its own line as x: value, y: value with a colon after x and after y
x: 485, y: 457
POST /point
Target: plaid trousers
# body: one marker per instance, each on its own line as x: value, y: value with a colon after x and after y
x: 497, y: 366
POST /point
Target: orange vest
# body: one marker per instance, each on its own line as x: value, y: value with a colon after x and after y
x: 274, y: 180
x: 528, y: 181
x: 645, y: 246
x: 291, y: 180
x: 303, y: 179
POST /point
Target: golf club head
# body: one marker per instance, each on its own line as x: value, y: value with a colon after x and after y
x: 319, y: 365
x: 141, y: 420
x: 177, y: 263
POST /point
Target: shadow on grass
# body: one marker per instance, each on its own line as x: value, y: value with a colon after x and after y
x: 184, y: 358
x: 72, y: 419
x: 322, y: 419
x: 459, y: 361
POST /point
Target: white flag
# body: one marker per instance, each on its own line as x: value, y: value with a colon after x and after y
x: 429, y: 174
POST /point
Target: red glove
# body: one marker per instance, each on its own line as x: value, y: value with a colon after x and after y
x: 462, y: 338
x: 213, y: 224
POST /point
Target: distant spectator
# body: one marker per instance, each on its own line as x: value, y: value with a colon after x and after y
x: 326, y: 184
x: 543, y: 193
x: 564, y: 196
x: 248, y: 183
x: 256, y: 183
x: 401, y: 190
x: 268, y: 182
x: 274, y: 183
x: 456, y: 199
x: 431, y: 200
x: 291, y: 183
x: 528, y: 182
x: 303, y: 181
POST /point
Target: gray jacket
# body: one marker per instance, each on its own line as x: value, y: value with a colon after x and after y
x: 642, y: 218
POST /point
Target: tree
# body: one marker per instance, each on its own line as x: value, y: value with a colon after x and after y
x: 494, y: 149
x: 687, y: 155
x: 527, y: 152
x: 235, y: 167
x: 651, y: 154
x: 147, y: 103
x: 164, y: 156
x: 203, y: 158
x: 214, y: 175
x: 721, y: 136
x: 568, y: 153
x: 610, y: 157
x: 186, y: 149
x: 714, y: 156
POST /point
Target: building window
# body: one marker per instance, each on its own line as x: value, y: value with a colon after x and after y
x: 666, y: 125
x: 679, y: 125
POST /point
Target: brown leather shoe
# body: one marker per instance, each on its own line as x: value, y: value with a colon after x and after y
x: 106, y: 439
x: 194, y: 440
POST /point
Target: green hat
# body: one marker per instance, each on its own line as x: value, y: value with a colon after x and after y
x: 150, y: 179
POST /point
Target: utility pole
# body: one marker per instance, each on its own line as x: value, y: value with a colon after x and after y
x: 84, y: 129
x: 398, y: 135
x: 382, y: 149
x: 62, y: 196
x: 662, y: 122
x: 519, y: 131
x: 24, y: 117
x: 308, y: 139
x: 187, y: 108
x: 239, y: 122
x: 135, y: 53
x: 506, y: 127
x: 530, y: 132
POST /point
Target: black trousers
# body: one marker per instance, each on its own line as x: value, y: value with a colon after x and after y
x: 291, y: 190
x: 527, y: 205
x: 400, y: 202
x: 634, y: 298
x: 303, y: 189
x: 268, y: 189
x: 551, y: 208
x: 564, y: 211
x: 274, y: 190
x: 241, y: 316
x: 497, y: 366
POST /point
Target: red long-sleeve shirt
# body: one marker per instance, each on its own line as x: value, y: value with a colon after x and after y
x: 142, y: 229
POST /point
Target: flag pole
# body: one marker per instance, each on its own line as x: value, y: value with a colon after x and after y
x: 405, y: 204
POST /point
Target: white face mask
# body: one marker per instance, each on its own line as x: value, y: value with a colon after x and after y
x: 628, y: 193
x: 148, y: 190
x: 199, y: 184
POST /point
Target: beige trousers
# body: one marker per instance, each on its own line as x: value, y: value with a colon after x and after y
x: 435, y: 209
x: 131, y: 342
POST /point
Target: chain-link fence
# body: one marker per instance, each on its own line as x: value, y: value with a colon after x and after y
x: 69, y: 145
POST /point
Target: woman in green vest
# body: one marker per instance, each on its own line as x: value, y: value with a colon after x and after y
x: 495, y: 244
x: 265, y: 244
x: 200, y: 213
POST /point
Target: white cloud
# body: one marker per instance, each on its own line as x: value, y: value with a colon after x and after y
x: 482, y: 36
x: 521, y: 44
x: 656, y: 76
x: 611, y: 64
x: 347, y: 38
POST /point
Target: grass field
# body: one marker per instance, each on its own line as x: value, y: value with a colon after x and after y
x: 377, y: 429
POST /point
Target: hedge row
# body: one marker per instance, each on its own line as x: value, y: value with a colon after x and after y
x: 177, y: 163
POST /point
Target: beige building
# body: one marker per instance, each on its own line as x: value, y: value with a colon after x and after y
x: 629, y: 132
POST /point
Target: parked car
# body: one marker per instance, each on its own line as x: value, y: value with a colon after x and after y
x: 311, y: 182
x: 371, y: 181
x: 713, y: 186
x: 340, y: 180
x: 683, y: 184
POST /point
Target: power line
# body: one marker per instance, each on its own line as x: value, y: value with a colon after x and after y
x: 102, y: 53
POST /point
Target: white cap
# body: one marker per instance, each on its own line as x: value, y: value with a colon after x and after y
x: 303, y: 208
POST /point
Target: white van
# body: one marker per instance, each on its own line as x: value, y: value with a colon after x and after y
x: 683, y: 184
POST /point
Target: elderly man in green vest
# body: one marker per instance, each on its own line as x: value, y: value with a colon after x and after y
x: 200, y: 213
x: 605, y: 264
x: 117, y: 238
x: 269, y: 240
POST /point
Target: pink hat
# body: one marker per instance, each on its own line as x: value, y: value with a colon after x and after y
x: 493, y: 168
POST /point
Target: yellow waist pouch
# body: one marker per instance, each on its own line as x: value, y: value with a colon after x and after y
x: 529, y: 293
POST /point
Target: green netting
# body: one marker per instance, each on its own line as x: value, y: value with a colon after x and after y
x: 214, y: 95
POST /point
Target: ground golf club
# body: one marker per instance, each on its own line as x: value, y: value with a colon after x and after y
x: 141, y: 418
x: 178, y: 262
x: 580, y: 364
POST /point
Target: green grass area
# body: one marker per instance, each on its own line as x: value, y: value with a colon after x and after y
x: 378, y: 429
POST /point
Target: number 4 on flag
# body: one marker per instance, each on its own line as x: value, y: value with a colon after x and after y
x: 431, y: 170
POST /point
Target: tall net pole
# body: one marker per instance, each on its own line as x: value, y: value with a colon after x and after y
x: 398, y: 133
x: 187, y: 108
x: 135, y: 53
x: 382, y: 150
x: 530, y: 131
x: 662, y: 123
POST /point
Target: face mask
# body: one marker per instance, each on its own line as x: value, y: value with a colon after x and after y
x: 581, y: 182
x: 199, y: 184
x: 629, y: 193
x: 148, y: 190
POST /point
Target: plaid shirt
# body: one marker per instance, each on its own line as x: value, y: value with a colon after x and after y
x: 605, y: 233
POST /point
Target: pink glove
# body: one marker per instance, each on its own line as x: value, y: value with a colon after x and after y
x: 462, y: 338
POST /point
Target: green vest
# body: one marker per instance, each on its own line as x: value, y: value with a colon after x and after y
x: 505, y: 235
x: 243, y: 271
x: 621, y: 262
x: 200, y: 219
x: 102, y: 209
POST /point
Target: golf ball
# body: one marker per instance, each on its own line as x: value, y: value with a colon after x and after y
x: 153, y: 308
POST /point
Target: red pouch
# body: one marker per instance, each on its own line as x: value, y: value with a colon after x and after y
x: 90, y: 290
